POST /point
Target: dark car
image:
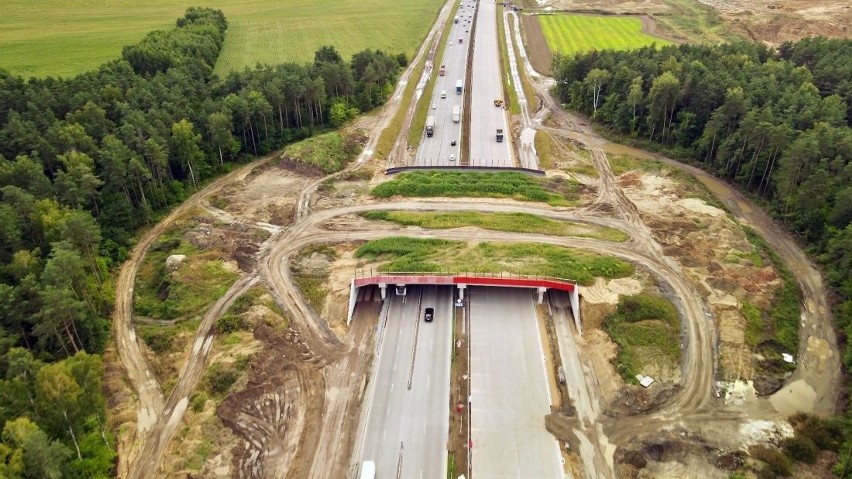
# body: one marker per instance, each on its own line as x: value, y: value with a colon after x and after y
x: 428, y: 315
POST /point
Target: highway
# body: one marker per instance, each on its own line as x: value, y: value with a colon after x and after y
x: 486, y: 86
x: 437, y: 149
x: 509, y: 394
x: 406, y: 429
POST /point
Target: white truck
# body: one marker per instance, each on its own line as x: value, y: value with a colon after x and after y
x: 459, y: 86
x: 456, y: 113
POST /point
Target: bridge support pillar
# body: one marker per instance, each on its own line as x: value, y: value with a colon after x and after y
x: 383, y: 287
x: 575, y: 307
x: 461, y: 290
x: 541, y: 292
x: 353, y: 298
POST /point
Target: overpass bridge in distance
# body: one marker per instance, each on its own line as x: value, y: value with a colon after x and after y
x: 462, y: 281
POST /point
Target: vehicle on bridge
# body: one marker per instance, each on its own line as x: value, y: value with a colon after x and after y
x: 368, y: 470
x: 430, y: 125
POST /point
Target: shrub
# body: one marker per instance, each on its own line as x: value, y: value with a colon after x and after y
x: 197, y: 401
x: 230, y: 323
x: 777, y: 464
x: 801, y: 448
x: 220, y: 377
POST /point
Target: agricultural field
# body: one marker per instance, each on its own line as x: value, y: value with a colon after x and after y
x: 581, y: 33
x: 63, y: 38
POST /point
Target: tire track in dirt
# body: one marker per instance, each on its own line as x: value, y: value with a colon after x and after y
x: 169, y: 419
x: 142, y: 381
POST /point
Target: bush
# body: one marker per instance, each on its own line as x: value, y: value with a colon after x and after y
x: 777, y: 464
x: 197, y: 401
x: 801, y: 449
x: 230, y: 323
x: 220, y: 378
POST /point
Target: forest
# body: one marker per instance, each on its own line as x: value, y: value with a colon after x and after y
x: 774, y: 122
x: 87, y: 161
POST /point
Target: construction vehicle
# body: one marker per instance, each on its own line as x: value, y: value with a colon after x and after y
x: 430, y: 125
x: 498, y: 102
x: 499, y: 135
x: 456, y: 113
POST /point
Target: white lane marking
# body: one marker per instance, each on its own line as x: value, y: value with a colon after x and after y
x: 394, y: 366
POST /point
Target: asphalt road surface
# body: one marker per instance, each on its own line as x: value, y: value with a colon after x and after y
x: 407, y: 428
x: 437, y: 149
x: 487, y: 85
x: 509, y: 395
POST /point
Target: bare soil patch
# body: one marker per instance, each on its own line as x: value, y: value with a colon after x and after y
x: 540, y: 54
x: 715, y: 254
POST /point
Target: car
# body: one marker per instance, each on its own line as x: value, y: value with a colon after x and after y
x: 443, y: 93
x: 452, y: 158
x: 428, y: 315
x: 452, y: 142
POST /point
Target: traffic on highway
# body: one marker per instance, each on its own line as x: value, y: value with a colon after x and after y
x: 473, y: 32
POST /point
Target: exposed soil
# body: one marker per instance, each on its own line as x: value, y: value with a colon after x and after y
x: 535, y: 42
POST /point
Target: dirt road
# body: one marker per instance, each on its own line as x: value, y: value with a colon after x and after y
x: 170, y: 417
x: 144, y: 383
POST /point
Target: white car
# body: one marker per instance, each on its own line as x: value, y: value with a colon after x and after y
x: 452, y: 158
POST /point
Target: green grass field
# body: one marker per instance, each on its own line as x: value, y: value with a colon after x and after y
x: 581, y: 33
x: 65, y: 37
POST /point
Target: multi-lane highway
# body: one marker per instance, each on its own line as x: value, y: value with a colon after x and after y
x: 436, y: 150
x: 406, y: 429
x: 486, y: 86
x: 509, y: 392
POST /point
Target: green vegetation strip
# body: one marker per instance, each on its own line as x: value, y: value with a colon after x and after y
x: 329, y: 152
x: 544, y: 149
x: 59, y: 37
x: 780, y: 322
x: 582, y: 33
x: 515, y: 222
x: 553, y: 191
x: 389, y: 134
x: 643, y: 326
x: 508, y: 87
x: 403, y: 254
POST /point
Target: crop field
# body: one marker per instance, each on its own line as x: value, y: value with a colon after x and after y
x: 581, y: 33
x: 66, y: 37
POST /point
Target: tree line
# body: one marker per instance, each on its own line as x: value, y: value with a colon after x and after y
x: 84, y: 163
x: 774, y: 122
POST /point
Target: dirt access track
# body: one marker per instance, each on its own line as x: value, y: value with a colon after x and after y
x: 770, y: 21
x: 283, y: 433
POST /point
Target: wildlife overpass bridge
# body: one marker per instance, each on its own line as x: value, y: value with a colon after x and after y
x: 461, y: 281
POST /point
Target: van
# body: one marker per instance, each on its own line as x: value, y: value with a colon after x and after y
x: 443, y: 93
